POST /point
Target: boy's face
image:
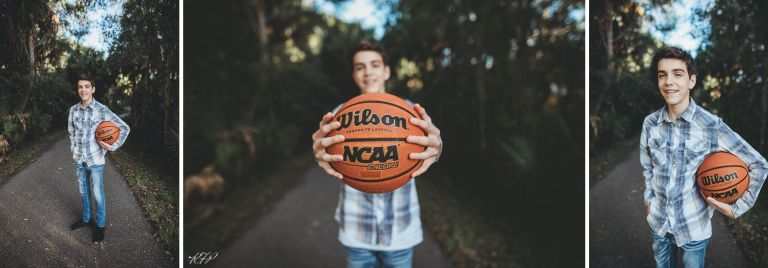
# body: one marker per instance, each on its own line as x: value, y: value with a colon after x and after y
x: 674, y: 82
x: 85, y: 89
x: 369, y: 71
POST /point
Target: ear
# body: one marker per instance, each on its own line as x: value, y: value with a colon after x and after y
x: 693, y: 81
x: 386, y: 73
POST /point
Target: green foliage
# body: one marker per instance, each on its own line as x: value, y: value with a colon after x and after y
x: 12, y: 131
x: 40, y: 123
x: 622, y: 100
x: 251, y: 112
x: 732, y: 67
x: 139, y: 79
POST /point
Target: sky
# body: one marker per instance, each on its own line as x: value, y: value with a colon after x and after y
x: 683, y: 34
x: 365, y: 12
x: 95, y: 37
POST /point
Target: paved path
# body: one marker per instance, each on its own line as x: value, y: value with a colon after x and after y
x: 300, y: 232
x: 619, y: 236
x: 39, y: 203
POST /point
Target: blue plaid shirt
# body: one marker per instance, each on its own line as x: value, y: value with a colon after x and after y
x: 670, y: 153
x: 82, y: 125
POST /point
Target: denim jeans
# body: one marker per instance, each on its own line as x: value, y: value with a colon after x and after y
x: 665, y: 252
x: 363, y: 258
x: 91, y: 181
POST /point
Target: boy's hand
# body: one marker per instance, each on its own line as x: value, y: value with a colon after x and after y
x: 320, y: 142
x: 721, y: 207
x: 431, y: 141
x: 106, y: 146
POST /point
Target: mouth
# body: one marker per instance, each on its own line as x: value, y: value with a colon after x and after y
x: 369, y: 82
x: 670, y: 91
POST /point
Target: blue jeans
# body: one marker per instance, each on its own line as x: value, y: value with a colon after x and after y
x: 665, y: 252
x: 91, y: 181
x: 363, y: 258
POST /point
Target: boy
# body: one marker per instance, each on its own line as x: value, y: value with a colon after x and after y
x: 673, y: 142
x: 377, y: 227
x: 88, y: 153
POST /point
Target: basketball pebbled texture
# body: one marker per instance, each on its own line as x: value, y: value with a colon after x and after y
x: 723, y: 176
x: 107, y: 132
x: 376, y: 155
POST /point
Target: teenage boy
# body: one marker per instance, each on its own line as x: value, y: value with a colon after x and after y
x: 673, y: 142
x: 378, y: 228
x: 88, y: 153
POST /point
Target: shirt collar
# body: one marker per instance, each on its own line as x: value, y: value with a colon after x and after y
x: 687, y: 114
x: 90, y: 105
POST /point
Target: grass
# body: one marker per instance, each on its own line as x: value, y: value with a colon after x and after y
x: 751, y: 232
x: 159, y: 200
x: 29, y: 151
x: 240, y: 207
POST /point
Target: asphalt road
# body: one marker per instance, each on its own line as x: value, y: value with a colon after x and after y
x: 39, y: 203
x: 619, y: 235
x: 300, y: 232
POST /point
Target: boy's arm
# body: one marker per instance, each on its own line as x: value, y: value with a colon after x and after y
x: 645, y: 161
x: 124, y: 129
x: 758, y: 167
x: 71, y: 130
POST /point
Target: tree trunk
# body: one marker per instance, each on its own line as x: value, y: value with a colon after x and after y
x: 258, y: 23
x: 30, y: 51
x: 764, y: 121
x: 481, y: 97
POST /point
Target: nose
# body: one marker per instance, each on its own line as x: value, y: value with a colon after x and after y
x: 667, y: 81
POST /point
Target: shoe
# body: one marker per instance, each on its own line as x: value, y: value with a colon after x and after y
x: 98, y: 236
x: 79, y: 224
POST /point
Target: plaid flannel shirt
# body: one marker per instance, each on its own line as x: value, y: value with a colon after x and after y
x: 82, y: 125
x: 670, y: 153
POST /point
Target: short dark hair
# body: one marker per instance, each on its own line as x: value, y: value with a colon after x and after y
x: 672, y: 53
x: 366, y: 45
x: 86, y: 77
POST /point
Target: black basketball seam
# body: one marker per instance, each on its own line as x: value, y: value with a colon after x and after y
x: 388, y: 178
x: 348, y: 164
x: 699, y: 173
x: 378, y: 101
x: 379, y: 180
x: 384, y: 102
x: 746, y: 177
x: 374, y: 139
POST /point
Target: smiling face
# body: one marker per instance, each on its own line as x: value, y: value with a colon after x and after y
x: 369, y: 71
x: 674, y: 81
x: 85, y: 90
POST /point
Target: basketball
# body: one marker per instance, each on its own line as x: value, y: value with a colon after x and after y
x: 376, y: 155
x: 107, y: 132
x: 723, y: 176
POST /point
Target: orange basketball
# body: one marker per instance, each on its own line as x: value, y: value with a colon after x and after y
x: 723, y: 176
x: 376, y: 155
x: 107, y: 132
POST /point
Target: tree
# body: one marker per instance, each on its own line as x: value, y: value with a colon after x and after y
x: 734, y: 67
x: 30, y: 27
